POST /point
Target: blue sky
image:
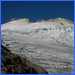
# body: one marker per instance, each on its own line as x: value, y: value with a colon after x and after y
x: 37, y: 10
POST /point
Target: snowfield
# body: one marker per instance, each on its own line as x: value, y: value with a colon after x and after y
x: 46, y: 43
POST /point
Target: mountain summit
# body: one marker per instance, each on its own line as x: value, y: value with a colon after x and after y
x: 48, y: 43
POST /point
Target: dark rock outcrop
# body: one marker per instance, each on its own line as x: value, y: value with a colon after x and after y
x: 14, y: 64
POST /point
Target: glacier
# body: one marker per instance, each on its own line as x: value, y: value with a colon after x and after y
x: 46, y: 43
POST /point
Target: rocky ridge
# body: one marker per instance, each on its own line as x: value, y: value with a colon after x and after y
x: 15, y: 64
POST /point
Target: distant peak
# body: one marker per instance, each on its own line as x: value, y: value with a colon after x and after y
x: 64, y: 20
x: 59, y: 18
x: 21, y: 20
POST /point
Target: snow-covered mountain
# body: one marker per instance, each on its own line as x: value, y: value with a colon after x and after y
x: 46, y: 43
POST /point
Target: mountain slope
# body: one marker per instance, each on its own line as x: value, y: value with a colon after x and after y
x: 46, y: 43
x: 14, y: 64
